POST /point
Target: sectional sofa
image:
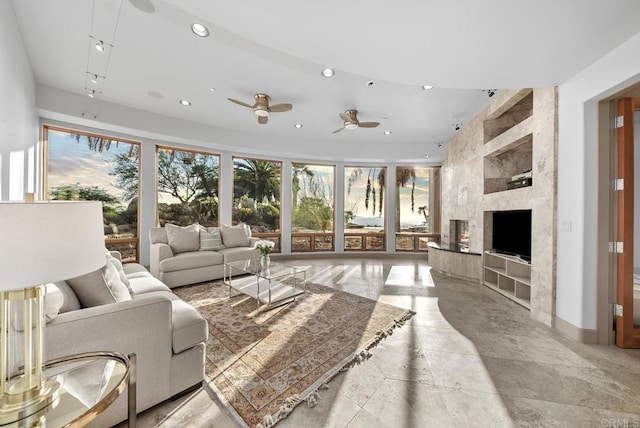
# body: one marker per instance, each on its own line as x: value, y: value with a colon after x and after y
x: 127, y: 310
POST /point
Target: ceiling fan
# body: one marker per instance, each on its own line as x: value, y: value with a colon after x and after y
x: 351, y: 121
x: 261, y: 108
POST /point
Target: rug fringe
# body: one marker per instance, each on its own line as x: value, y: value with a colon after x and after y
x: 314, y: 395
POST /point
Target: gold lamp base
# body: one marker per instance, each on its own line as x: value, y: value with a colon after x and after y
x: 25, y: 393
x: 17, y: 409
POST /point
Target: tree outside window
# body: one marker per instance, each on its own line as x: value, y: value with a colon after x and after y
x: 90, y: 167
x: 256, y: 196
x: 187, y: 187
x: 312, y: 220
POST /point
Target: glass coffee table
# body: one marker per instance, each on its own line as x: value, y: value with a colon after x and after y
x: 271, y: 284
x: 86, y: 385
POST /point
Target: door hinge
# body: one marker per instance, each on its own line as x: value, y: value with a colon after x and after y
x: 617, y: 310
x: 617, y: 184
x: 616, y: 247
x: 618, y: 122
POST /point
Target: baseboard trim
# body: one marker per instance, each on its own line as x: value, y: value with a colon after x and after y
x: 352, y: 255
x: 589, y: 336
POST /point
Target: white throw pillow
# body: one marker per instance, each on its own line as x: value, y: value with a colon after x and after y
x: 210, y: 239
x: 235, y: 236
x: 100, y: 287
x: 53, y: 301
x: 123, y: 276
x: 183, y: 238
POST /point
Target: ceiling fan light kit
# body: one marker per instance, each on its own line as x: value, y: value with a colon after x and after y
x: 261, y: 107
x: 350, y: 119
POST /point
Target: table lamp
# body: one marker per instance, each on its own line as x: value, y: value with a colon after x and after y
x: 40, y: 242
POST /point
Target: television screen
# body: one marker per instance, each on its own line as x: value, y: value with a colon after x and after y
x: 512, y: 233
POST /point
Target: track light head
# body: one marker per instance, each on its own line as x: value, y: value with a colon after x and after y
x: 100, y: 46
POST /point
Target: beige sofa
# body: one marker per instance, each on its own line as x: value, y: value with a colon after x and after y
x: 186, y: 255
x: 167, y: 335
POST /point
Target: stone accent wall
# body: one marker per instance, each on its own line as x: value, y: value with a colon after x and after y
x: 515, y: 132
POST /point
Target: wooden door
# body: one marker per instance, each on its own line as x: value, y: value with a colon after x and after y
x: 627, y: 334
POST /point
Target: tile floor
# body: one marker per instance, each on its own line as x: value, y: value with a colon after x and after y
x: 470, y: 357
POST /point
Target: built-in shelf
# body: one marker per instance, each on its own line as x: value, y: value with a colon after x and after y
x: 502, y: 165
x: 509, y: 276
x: 518, y: 109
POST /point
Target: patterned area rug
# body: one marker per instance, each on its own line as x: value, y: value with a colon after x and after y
x: 264, y: 363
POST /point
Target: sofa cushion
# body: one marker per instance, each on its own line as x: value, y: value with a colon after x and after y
x: 191, y: 260
x: 210, y: 239
x: 239, y: 253
x: 158, y: 235
x: 189, y: 327
x: 135, y: 270
x: 183, y: 238
x: 147, y: 284
x: 100, y: 287
x: 235, y: 236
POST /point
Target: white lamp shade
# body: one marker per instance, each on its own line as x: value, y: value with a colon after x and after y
x: 44, y: 242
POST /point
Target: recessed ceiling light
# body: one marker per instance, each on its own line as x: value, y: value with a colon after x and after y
x: 212, y: 89
x: 298, y: 125
x: 328, y: 72
x: 100, y: 46
x: 387, y: 132
x: 426, y: 87
x: 370, y: 83
x: 199, y: 30
x: 185, y: 102
x: 425, y: 156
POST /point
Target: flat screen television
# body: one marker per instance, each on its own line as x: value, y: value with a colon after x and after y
x: 512, y: 233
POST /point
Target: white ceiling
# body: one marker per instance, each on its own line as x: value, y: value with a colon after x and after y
x: 279, y: 48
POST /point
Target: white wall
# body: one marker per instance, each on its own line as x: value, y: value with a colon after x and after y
x: 577, y: 178
x: 18, y: 118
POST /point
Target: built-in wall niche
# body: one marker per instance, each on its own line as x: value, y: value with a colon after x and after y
x: 511, y: 114
x: 501, y: 166
x: 459, y: 232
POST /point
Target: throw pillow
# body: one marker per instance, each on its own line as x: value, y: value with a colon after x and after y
x: 235, y: 236
x: 53, y: 300
x: 70, y: 301
x: 183, y: 239
x: 210, y: 239
x: 100, y: 287
x: 123, y: 276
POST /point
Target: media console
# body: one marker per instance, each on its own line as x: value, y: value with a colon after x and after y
x: 509, y: 276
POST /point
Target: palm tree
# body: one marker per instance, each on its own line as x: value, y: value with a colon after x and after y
x: 299, y: 170
x: 258, y: 179
x: 403, y: 176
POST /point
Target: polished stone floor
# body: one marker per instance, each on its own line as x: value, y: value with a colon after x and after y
x: 470, y: 357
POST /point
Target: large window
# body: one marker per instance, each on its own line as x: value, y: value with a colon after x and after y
x: 364, y: 202
x: 187, y: 187
x: 312, y: 207
x: 256, y: 197
x: 84, y: 166
x: 417, y: 196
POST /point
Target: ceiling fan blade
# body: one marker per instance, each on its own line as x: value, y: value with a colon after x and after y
x: 337, y: 130
x: 345, y: 117
x: 263, y: 119
x: 243, y: 104
x: 368, y: 124
x: 280, y: 108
